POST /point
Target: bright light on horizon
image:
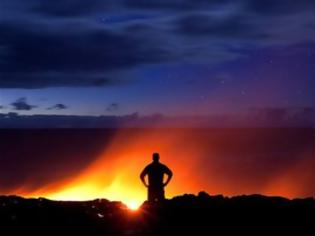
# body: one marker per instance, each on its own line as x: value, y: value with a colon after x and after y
x: 117, y: 191
x: 133, y: 205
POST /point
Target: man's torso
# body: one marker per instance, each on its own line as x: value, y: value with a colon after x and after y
x: 155, y: 173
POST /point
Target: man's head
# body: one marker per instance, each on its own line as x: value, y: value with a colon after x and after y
x: 156, y: 157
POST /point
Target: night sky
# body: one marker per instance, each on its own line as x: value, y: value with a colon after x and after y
x: 115, y: 57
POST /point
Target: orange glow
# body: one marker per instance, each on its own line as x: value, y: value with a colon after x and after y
x: 115, y: 174
x: 199, y: 162
x: 133, y: 205
x: 294, y: 181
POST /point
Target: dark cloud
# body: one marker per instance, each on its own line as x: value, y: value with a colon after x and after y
x: 245, y: 26
x: 66, y: 43
x: 208, y: 26
x: 43, y: 58
x: 21, y: 80
x: 58, y: 106
x: 259, y: 6
x: 305, y: 115
x: 256, y: 117
x: 271, y: 7
x: 175, y: 5
x: 75, y: 8
x: 112, y: 107
x: 273, y: 115
x: 70, y: 8
x: 285, y: 116
x: 22, y: 105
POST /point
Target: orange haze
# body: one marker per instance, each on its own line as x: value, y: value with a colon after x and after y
x: 194, y: 160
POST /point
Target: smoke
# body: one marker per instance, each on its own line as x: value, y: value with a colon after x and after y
x: 115, y: 173
x: 297, y: 180
x: 219, y: 161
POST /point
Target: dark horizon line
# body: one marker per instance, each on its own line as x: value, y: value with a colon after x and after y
x: 200, y: 193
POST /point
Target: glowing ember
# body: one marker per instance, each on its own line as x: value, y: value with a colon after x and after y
x: 133, y: 205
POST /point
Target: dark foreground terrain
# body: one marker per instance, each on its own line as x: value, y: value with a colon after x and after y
x: 182, y: 215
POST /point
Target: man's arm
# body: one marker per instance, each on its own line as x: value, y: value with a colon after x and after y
x: 169, y: 174
x: 142, y: 177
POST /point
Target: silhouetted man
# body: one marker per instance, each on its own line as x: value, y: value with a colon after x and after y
x: 155, y: 172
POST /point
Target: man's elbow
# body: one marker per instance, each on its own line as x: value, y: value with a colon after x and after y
x: 142, y: 175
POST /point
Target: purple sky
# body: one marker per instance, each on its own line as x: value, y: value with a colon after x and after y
x: 173, y: 57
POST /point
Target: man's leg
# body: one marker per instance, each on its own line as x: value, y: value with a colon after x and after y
x: 151, y: 195
x: 161, y: 194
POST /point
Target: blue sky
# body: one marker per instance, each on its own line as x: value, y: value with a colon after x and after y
x: 172, y: 57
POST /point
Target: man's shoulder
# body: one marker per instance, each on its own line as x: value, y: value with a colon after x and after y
x: 149, y: 166
x: 163, y: 166
x: 156, y: 165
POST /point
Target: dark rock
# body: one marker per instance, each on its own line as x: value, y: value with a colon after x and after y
x: 183, y: 215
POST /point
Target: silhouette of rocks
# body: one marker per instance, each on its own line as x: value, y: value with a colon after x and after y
x: 183, y: 215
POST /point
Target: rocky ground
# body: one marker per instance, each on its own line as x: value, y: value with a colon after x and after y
x: 182, y: 215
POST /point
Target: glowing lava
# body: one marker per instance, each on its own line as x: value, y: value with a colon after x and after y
x: 115, y: 174
x: 133, y: 205
x: 200, y: 161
